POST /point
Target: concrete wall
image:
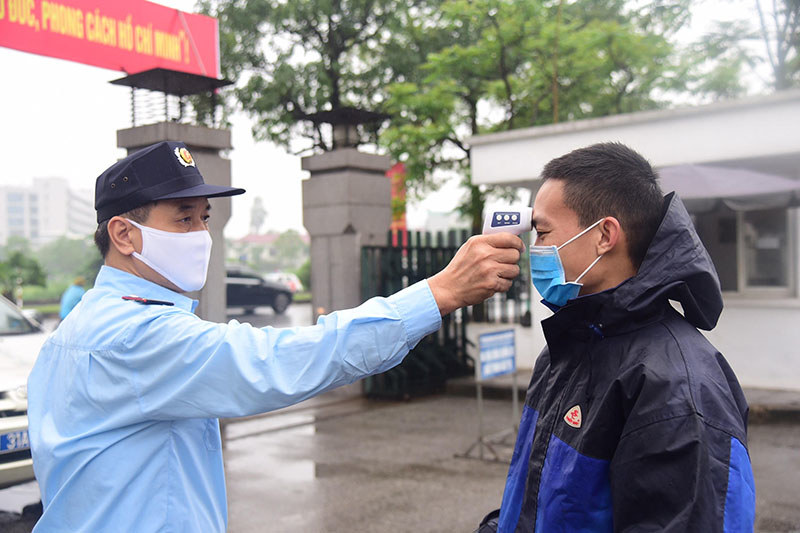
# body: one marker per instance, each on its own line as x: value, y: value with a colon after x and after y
x: 205, y: 145
x: 761, y: 341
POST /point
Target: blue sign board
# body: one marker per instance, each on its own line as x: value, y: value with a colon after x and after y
x: 497, y: 354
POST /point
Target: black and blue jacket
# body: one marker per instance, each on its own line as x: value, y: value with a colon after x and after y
x: 633, y: 421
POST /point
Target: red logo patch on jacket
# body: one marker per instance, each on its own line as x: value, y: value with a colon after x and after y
x: 573, y: 416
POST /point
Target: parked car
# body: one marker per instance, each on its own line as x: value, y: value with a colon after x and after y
x: 288, y: 279
x: 249, y: 290
x: 20, y: 342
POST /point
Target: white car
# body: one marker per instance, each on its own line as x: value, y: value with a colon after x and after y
x: 20, y: 341
x: 286, y: 279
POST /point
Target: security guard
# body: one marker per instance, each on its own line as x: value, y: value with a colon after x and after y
x: 124, y: 397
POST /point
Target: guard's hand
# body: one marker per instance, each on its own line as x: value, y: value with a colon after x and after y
x: 483, y: 266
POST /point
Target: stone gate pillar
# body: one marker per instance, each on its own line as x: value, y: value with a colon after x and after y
x: 346, y: 205
x: 205, y: 145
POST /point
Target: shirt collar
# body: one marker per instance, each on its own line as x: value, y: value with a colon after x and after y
x: 126, y: 284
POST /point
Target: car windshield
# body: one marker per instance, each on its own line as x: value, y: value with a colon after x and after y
x: 11, y: 320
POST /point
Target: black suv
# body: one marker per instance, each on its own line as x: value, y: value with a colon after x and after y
x: 245, y: 288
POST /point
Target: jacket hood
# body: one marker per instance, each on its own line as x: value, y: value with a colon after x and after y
x: 676, y: 267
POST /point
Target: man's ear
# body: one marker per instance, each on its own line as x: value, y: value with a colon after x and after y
x: 610, y: 235
x: 120, y: 235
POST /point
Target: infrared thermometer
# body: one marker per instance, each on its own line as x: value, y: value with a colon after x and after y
x: 508, y: 219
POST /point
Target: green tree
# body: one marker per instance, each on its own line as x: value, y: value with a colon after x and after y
x: 303, y: 273
x: 302, y: 57
x: 65, y: 258
x: 780, y: 31
x: 18, y: 268
x: 718, y: 61
x: 290, y: 249
x: 516, y: 63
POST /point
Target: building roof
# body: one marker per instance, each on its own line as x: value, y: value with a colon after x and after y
x: 758, y: 133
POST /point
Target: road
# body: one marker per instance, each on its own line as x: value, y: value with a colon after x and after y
x: 342, y: 463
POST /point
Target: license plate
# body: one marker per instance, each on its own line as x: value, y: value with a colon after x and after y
x: 14, y: 441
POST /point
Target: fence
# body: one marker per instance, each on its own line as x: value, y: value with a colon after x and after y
x: 411, y: 257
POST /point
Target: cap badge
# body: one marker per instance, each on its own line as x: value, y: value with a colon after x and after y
x: 184, y: 157
x: 573, y: 416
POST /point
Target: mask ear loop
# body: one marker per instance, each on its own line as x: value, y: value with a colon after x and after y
x: 581, y: 233
x: 599, y: 257
x: 593, y: 262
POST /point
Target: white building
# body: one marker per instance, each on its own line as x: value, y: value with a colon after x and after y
x: 439, y: 221
x: 45, y: 211
x: 754, y: 240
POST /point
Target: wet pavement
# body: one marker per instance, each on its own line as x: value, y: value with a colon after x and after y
x: 363, y: 466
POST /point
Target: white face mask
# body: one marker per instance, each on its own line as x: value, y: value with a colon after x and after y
x: 182, y: 258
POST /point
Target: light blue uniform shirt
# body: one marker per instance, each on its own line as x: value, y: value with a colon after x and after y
x: 124, y: 398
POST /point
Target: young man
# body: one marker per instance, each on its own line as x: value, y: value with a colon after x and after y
x: 632, y: 421
x: 125, y: 395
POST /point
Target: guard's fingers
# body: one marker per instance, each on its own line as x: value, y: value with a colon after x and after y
x: 505, y: 240
x: 509, y: 272
x: 507, y: 255
x: 502, y: 285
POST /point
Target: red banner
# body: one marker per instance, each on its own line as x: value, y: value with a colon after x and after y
x: 398, y: 176
x: 130, y: 36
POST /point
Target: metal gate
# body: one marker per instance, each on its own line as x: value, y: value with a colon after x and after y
x: 412, y: 257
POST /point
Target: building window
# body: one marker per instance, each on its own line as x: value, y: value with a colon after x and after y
x: 765, y: 248
x: 751, y: 250
x: 15, y: 197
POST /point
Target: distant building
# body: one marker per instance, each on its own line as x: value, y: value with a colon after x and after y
x: 259, y: 251
x: 45, y: 211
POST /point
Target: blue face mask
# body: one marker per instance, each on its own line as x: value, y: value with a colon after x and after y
x: 547, y: 272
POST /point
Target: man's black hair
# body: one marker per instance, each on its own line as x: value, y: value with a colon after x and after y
x: 101, y: 238
x: 610, y: 179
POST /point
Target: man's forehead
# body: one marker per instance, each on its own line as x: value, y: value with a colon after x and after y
x: 549, y: 208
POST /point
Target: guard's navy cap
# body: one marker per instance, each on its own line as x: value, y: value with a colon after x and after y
x: 158, y: 172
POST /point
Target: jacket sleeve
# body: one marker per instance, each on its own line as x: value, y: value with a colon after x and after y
x: 180, y: 366
x: 681, y: 474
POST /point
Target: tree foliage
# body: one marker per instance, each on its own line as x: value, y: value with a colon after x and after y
x: 780, y: 31
x: 300, y: 57
x: 514, y: 63
x: 446, y: 70
x: 18, y: 267
x: 65, y: 258
x: 735, y: 47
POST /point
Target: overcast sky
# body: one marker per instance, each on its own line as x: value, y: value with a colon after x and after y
x: 60, y: 118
